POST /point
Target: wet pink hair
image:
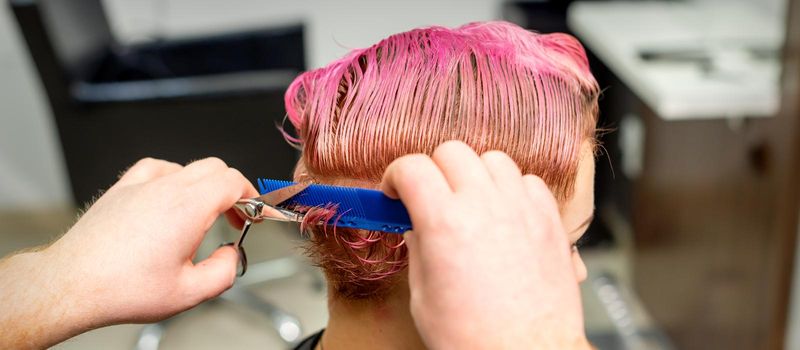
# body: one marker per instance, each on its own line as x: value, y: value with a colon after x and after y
x: 493, y: 85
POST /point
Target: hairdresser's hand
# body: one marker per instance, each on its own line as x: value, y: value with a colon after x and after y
x: 129, y: 257
x: 489, y: 263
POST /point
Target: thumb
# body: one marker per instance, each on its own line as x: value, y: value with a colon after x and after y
x: 214, y: 275
x: 410, y: 239
x: 415, y: 270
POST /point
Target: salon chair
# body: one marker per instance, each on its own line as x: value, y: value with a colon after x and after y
x: 180, y: 100
x: 175, y: 99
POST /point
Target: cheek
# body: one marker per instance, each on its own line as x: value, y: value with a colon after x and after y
x: 579, y: 266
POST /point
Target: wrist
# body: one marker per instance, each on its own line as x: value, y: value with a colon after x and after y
x: 71, y: 291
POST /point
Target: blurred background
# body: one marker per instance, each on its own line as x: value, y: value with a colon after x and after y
x: 697, y: 192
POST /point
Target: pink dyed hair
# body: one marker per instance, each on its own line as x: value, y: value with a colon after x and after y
x: 493, y: 85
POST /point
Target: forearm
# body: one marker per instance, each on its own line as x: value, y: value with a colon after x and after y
x: 128, y: 258
x: 41, y: 304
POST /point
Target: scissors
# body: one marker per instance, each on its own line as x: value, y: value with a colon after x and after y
x: 265, y: 207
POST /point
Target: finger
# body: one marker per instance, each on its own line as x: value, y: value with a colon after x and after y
x: 419, y: 184
x: 212, y: 276
x: 504, y: 171
x: 147, y: 169
x: 546, y: 209
x: 461, y: 167
x: 218, y: 192
x: 415, y: 265
x: 540, y: 195
x: 235, y: 218
x: 204, y: 167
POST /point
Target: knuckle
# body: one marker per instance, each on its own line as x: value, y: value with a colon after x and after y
x: 404, y: 179
x: 495, y: 155
x: 145, y: 163
x: 215, y: 162
x: 142, y: 167
x: 537, y: 189
x: 210, y: 163
x: 403, y: 160
x: 454, y: 144
x: 535, y: 182
x: 499, y: 159
x: 417, y: 158
x: 234, y: 174
x: 409, y: 166
x: 452, y: 147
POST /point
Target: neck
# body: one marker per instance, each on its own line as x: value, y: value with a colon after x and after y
x: 371, y: 324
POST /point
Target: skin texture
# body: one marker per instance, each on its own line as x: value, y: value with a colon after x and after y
x: 390, y: 323
x: 128, y: 259
x: 486, y: 194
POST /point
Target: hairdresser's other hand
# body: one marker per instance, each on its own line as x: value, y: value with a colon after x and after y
x: 489, y: 263
x: 129, y: 257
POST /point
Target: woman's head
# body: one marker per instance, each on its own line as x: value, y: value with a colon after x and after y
x: 493, y: 85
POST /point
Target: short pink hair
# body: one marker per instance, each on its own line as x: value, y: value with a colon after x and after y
x: 493, y: 85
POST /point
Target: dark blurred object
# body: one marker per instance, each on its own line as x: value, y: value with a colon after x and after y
x: 179, y: 100
x: 543, y: 16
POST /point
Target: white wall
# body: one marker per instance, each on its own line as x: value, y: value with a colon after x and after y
x: 31, y: 169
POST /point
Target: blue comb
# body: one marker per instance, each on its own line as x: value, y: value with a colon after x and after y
x: 355, y: 207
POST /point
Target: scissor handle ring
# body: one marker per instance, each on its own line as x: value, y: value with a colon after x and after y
x: 242, y: 266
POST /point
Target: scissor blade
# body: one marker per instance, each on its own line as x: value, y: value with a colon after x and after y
x: 284, y: 193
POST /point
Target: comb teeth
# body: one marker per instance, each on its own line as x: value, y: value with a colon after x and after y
x: 345, y: 199
x: 355, y: 207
